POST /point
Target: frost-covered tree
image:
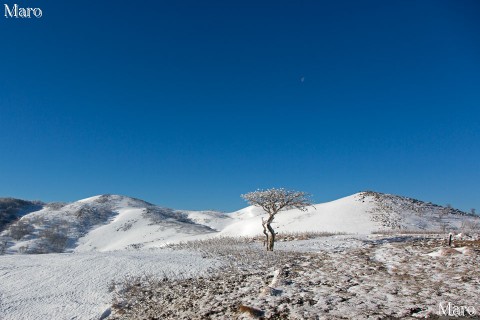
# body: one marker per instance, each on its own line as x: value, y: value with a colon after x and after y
x: 273, y: 201
x: 20, y: 228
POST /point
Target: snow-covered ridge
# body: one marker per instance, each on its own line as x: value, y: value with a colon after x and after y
x: 115, y: 222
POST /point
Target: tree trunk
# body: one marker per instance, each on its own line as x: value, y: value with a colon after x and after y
x: 271, y: 238
x: 271, y: 241
x: 264, y: 225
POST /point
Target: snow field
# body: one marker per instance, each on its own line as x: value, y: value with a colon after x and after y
x: 76, y: 286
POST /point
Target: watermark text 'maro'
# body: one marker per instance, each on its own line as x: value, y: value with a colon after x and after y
x: 18, y: 12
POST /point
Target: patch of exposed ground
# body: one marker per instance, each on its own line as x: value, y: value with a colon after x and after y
x: 390, y: 278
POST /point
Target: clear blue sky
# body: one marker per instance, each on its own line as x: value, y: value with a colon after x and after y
x: 188, y: 104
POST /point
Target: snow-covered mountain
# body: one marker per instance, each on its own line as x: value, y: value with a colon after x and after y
x: 101, y: 223
x: 362, y: 212
x: 113, y: 222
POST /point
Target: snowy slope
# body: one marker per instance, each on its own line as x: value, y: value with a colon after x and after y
x: 101, y: 223
x: 76, y: 286
x: 135, y: 228
x: 113, y: 222
x: 397, y: 212
x: 361, y: 213
x: 215, y: 220
x: 343, y: 215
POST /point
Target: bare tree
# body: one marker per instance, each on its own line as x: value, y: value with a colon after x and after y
x: 273, y: 201
x: 19, y: 229
x: 3, y: 246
